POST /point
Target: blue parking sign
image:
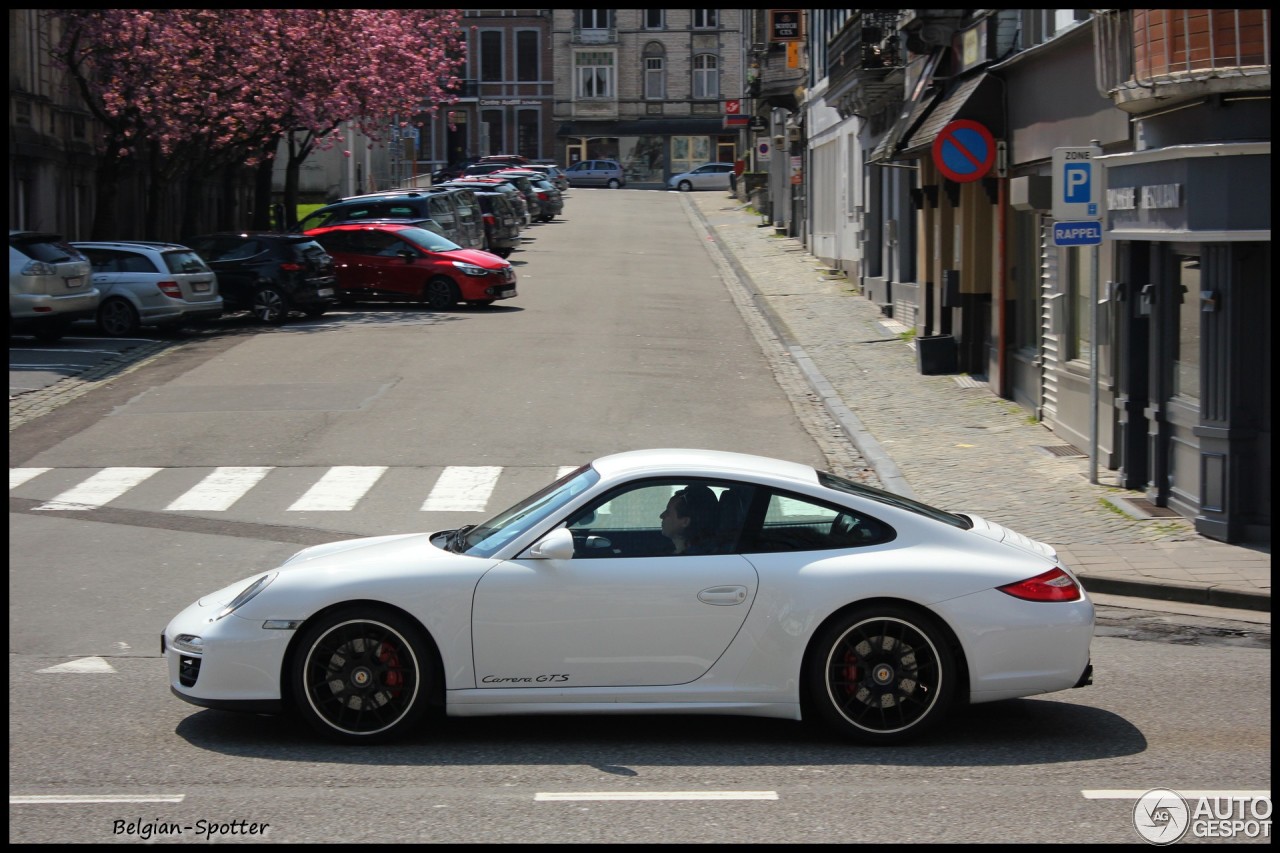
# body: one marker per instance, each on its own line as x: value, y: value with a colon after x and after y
x: 1076, y: 179
x: 1078, y: 183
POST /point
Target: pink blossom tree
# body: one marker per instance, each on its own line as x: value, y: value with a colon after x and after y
x: 195, y: 91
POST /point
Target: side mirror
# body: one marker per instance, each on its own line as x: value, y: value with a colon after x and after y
x: 556, y: 545
x: 408, y: 254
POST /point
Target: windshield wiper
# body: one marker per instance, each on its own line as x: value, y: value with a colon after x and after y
x: 459, y: 538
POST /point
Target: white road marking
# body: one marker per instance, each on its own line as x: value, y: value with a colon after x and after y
x: 340, y: 488
x: 462, y: 489
x: 1136, y: 794
x: 220, y: 489
x: 18, y: 476
x: 103, y: 487
x: 654, y: 795
x: 88, y: 664
x: 40, y: 799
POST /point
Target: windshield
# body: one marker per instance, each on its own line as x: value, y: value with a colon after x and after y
x: 486, y: 538
x: 840, y: 484
x: 428, y: 240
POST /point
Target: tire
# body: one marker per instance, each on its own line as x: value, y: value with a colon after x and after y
x: 881, y: 675
x: 362, y: 675
x: 614, y: 183
x: 440, y: 294
x: 685, y: 187
x: 270, y: 306
x: 118, y: 318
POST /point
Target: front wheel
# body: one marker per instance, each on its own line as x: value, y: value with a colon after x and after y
x: 440, y: 294
x: 685, y: 186
x: 117, y: 318
x: 362, y: 675
x: 881, y: 675
x: 269, y: 306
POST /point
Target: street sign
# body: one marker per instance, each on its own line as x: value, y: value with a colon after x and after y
x: 1087, y: 233
x: 763, y: 150
x: 964, y: 151
x: 733, y: 107
x: 1077, y: 184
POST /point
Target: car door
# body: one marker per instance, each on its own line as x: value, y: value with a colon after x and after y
x: 231, y: 259
x: 401, y: 267
x: 109, y: 274
x: 622, y: 612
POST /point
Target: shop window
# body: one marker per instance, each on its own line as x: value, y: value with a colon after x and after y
x: 689, y: 152
x: 1186, y: 364
x: 527, y: 133
x: 1078, y: 305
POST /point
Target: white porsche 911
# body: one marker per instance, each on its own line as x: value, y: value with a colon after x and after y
x: 653, y: 581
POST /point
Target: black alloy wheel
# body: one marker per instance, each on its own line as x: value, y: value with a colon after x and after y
x: 118, y: 318
x: 362, y: 675
x: 270, y: 306
x: 881, y: 675
x: 440, y: 294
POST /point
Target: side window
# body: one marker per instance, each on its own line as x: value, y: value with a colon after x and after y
x: 794, y: 523
x: 663, y: 518
x: 131, y: 262
x: 237, y: 250
x: 386, y: 245
x: 442, y: 211
x: 103, y: 260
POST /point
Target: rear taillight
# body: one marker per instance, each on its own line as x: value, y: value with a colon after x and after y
x: 290, y: 266
x: 490, y: 219
x: 543, y: 196
x: 171, y: 289
x: 1053, y: 585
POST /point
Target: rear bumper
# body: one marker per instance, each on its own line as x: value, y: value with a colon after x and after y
x: 42, y: 307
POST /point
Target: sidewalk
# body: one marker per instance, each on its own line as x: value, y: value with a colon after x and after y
x: 949, y: 441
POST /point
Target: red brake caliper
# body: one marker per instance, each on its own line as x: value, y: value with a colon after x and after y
x: 387, y: 654
x: 851, y: 672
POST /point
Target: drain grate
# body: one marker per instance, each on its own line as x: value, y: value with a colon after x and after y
x: 1061, y: 451
x: 1146, y: 506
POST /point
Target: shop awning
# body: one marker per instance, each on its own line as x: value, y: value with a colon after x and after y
x: 902, y: 128
x: 645, y: 127
x: 976, y: 98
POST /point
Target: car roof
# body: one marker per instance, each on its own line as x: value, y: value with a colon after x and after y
x: 386, y: 224
x: 129, y: 244
x: 684, y: 461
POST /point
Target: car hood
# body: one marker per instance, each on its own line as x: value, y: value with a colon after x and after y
x: 480, y: 258
x: 1012, y: 538
x: 373, y: 560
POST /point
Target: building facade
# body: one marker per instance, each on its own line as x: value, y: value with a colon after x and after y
x: 658, y: 90
x: 1149, y: 351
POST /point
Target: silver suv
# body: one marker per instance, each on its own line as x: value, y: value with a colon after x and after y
x: 596, y: 173
x: 150, y: 284
x: 48, y: 285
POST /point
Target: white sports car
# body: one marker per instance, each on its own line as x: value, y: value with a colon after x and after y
x: 682, y: 581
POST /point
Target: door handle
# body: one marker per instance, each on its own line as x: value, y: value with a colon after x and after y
x: 723, y: 595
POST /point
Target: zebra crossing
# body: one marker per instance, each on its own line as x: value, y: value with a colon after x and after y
x: 340, y: 488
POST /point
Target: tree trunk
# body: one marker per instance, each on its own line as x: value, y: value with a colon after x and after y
x: 261, y: 220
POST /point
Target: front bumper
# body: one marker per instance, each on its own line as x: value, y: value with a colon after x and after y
x: 238, y: 666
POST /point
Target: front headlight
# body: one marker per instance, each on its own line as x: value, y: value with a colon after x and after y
x: 471, y: 269
x: 247, y: 594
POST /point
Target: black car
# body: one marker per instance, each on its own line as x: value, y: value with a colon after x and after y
x: 270, y: 274
x: 501, y: 223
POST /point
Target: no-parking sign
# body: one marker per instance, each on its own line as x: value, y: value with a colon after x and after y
x: 964, y: 151
x: 763, y: 150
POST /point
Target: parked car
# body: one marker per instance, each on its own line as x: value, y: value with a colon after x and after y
x: 554, y: 174
x: 596, y: 173
x: 490, y: 183
x: 550, y: 201
x: 510, y: 159
x: 269, y: 274
x: 501, y: 223
x: 709, y: 176
x: 526, y: 188
x: 150, y: 284
x: 49, y: 286
x: 402, y: 261
x: 485, y: 168
x: 666, y: 579
x: 456, y: 219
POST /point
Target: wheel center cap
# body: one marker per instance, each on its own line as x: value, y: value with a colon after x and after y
x: 882, y: 674
x: 361, y: 677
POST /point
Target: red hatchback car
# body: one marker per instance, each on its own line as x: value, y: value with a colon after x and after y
x: 404, y: 261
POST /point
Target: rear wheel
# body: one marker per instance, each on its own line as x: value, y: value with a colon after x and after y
x: 440, y: 294
x: 881, y: 674
x: 117, y: 318
x: 614, y: 184
x: 269, y: 306
x: 362, y: 675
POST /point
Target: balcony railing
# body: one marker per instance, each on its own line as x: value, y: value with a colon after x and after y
x: 1147, y: 48
x: 595, y: 35
x: 863, y: 57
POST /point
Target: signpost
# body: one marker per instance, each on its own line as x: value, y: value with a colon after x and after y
x: 1078, y: 188
x: 964, y: 151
